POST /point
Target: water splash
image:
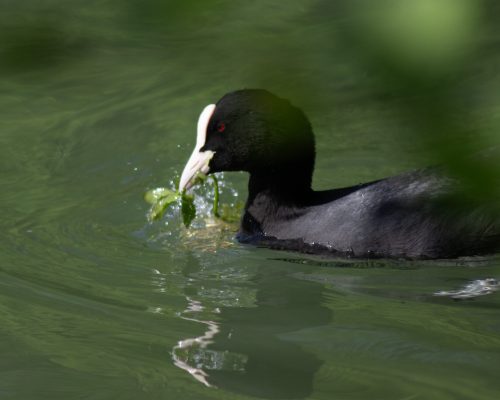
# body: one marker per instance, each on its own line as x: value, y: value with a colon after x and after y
x: 205, y: 232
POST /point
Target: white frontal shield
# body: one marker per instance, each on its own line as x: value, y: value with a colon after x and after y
x: 198, y: 162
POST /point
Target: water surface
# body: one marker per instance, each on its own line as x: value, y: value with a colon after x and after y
x: 95, y: 303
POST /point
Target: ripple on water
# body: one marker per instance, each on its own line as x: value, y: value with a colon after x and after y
x: 475, y: 288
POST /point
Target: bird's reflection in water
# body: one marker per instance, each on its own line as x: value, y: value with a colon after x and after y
x: 250, y: 350
x: 191, y: 354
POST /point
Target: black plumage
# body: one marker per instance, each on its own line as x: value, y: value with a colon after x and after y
x: 412, y: 215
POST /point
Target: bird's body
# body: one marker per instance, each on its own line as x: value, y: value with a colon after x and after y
x: 407, y: 216
x: 412, y: 215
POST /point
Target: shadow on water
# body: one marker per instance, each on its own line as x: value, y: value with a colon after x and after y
x: 246, y: 349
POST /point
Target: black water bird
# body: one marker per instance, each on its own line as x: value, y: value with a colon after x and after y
x: 406, y: 216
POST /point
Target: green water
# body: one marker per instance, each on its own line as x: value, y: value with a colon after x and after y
x: 98, y: 103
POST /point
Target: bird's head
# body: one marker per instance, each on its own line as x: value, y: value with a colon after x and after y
x: 255, y: 131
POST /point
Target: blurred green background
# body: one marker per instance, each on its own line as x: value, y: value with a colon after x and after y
x: 99, y: 102
x: 425, y: 71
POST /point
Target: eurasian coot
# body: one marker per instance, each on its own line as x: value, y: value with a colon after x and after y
x: 411, y: 215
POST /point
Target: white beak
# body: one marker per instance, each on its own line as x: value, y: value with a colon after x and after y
x: 198, y: 162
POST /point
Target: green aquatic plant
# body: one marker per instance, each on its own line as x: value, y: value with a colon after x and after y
x: 162, y: 198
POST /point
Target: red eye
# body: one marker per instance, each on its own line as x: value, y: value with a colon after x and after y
x: 221, y: 127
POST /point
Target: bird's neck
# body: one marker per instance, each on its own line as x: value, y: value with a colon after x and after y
x: 274, y: 196
x: 286, y: 187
